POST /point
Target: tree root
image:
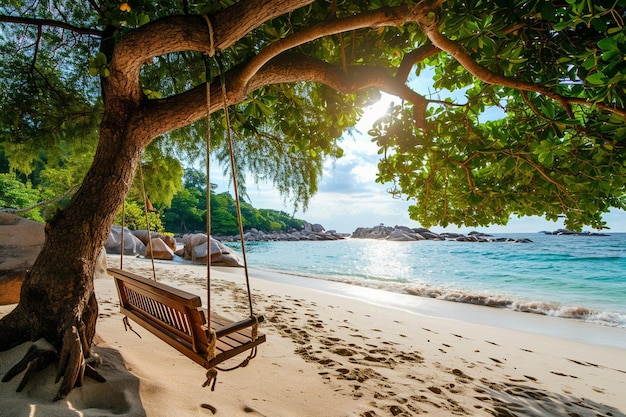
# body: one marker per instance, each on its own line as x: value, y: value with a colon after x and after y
x: 35, y: 360
x: 72, y: 364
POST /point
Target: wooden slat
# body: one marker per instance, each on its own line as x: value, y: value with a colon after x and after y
x: 156, y: 287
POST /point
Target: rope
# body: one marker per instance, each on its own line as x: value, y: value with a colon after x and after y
x: 235, y: 186
x: 122, y: 239
x: 211, y: 378
x: 211, y: 41
x: 145, y: 210
x: 207, y: 194
x: 211, y: 374
x: 255, y: 329
x: 243, y: 363
x: 128, y: 327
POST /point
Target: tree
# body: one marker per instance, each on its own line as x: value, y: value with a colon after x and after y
x: 298, y: 72
x: 184, y: 216
x: 14, y: 194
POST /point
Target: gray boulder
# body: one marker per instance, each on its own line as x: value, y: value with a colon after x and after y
x: 22, y: 240
x: 402, y: 235
x: 195, y: 249
x: 132, y: 244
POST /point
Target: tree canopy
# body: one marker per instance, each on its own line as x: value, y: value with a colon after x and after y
x: 297, y: 80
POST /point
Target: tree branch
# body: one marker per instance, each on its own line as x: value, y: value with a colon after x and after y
x: 51, y: 23
x: 413, y: 57
x: 389, y: 16
x: 190, y: 106
x: 178, y: 33
x: 42, y: 203
x: 429, y: 26
x: 541, y: 172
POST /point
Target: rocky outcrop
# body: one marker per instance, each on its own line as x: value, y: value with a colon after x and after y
x: 406, y: 234
x: 377, y: 232
x: 566, y: 232
x: 22, y: 240
x: 313, y: 232
x: 158, y: 249
x: 143, y: 236
x: 403, y: 234
x: 195, y: 250
x: 132, y: 244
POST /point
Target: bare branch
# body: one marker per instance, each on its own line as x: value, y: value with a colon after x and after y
x: 375, y: 18
x: 413, y: 57
x: 51, y: 23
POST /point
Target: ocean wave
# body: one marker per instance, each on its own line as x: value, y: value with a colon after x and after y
x: 605, y: 318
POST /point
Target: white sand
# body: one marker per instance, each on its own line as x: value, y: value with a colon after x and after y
x: 335, y: 355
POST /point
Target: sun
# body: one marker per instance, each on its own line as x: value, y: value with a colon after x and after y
x: 377, y: 110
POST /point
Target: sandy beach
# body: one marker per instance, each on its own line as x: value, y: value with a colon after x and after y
x: 333, y: 351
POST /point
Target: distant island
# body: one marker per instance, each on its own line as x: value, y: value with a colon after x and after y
x: 566, y: 232
x: 317, y: 232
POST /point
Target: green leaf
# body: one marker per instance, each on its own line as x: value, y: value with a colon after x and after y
x: 143, y: 19
x: 264, y: 109
x: 548, y: 109
x: 597, y: 78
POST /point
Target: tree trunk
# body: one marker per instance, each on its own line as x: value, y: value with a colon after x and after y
x: 57, y: 299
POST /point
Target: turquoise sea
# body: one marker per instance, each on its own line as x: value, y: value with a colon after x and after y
x: 576, y: 277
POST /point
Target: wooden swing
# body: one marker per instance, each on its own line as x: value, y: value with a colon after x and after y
x: 177, y: 316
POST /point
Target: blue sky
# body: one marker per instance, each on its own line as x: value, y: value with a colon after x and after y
x: 349, y: 197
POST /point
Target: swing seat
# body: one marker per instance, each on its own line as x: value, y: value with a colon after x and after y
x: 177, y: 318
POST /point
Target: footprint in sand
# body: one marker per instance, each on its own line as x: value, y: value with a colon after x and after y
x: 562, y: 374
x: 462, y: 376
x: 498, y: 361
x: 435, y: 390
x: 344, y: 352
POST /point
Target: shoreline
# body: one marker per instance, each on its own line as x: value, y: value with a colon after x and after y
x: 330, y: 355
x: 472, y: 274
x: 571, y: 328
x: 562, y: 327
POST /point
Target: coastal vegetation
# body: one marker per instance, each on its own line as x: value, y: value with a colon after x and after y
x: 93, y: 92
x: 186, y: 212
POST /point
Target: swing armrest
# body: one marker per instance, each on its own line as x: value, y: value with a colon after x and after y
x: 236, y: 326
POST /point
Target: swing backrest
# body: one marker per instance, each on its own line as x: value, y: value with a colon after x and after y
x: 177, y: 317
x: 173, y: 315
